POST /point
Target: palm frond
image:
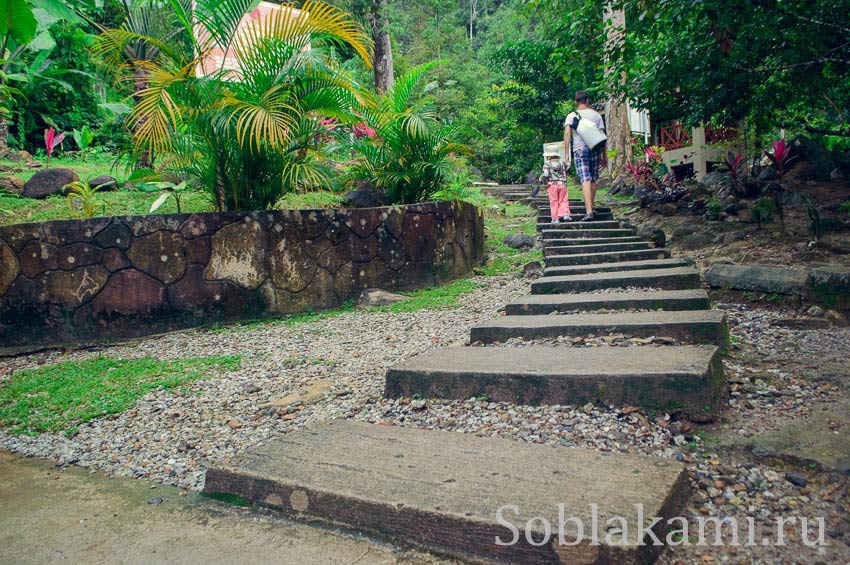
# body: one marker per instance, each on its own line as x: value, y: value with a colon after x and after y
x: 399, y: 97
x: 157, y: 115
x: 269, y: 119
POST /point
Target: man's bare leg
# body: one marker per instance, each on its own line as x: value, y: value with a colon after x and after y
x: 593, y: 193
x: 589, y: 194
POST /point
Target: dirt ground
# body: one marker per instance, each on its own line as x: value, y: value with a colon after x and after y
x: 766, y: 245
x: 51, y: 515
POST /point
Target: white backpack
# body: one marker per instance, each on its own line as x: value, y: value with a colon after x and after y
x: 587, y: 130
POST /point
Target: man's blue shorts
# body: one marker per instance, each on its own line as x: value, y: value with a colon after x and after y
x: 588, y: 162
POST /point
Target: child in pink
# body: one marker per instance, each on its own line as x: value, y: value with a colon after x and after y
x: 555, y: 173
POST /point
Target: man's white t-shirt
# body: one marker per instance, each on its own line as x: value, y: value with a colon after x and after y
x: 587, y: 114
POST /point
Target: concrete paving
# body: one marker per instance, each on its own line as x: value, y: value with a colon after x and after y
x: 443, y: 490
x: 685, y: 378
x: 689, y: 326
x: 666, y: 279
x: 556, y: 259
x: 614, y: 267
x: 52, y: 515
x: 696, y: 299
x: 585, y: 232
x: 556, y: 249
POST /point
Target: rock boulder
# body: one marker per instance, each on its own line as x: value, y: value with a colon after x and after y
x: 779, y: 280
x: 519, y: 241
x: 104, y: 183
x: 48, y: 181
x: 371, y: 297
x: 12, y: 184
x: 365, y: 196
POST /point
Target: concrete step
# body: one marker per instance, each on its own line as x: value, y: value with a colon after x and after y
x: 544, y: 222
x: 554, y: 250
x: 686, y: 378
x: 542, y: 304
x: 555, y: 256
x: 570, y: 241
x: 585, y: 232
x: 687, y: 326
x: 443, y: 491
x: 594, y: 225
x: 666, y: 279
x: 574, y: 209
x: 613, y: 267
x: 542, y: 204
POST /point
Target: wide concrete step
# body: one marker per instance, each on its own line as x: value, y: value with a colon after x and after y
x: 613, y: 267
x: 542, y: 304
x: 665, y: 279
x: 453, y: 493
x: 544, y: 222
x: 594, y: 225
x: 555, y: 256
x: 551, y: 249
x: 570, y: 241
x: 542, y: 203
x: 545, y: 219
x: 587, y: 233
x: 687, y: 326
x: 575, y: 209
x: 685, y: 378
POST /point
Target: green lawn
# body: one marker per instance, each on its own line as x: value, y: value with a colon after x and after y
x: 60, y: 397
x: 500, y: 220
x: 17, y: 210
x: 87, y: 167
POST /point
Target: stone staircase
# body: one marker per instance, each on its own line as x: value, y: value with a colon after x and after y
x: 442, y: 491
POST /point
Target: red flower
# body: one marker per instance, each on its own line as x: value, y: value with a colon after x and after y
x: 362, y: 130
x: 781, y: 155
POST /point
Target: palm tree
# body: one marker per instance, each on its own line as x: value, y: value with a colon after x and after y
x: 409, y: 156
x: 249, y: 134
x: 150, y: 30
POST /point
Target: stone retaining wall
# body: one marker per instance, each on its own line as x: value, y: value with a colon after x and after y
x: 72, y: 280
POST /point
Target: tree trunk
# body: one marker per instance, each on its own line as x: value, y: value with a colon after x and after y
x: 616, y: 110
x: 380, y: 24
x: 4, y: 133
x: 144, y: 159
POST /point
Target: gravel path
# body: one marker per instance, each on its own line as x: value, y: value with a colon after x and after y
x: 171, y: 436
x: 294, y: 375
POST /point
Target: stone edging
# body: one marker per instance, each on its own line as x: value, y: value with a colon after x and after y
x: 112, y: 277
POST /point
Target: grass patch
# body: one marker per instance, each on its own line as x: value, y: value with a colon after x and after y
x: 510, y: 218
x: 18, y: 210
x: 444, y: 296
x: 87, y: 167
x: 62, y: 396
x: 431, y: 298
x: 15, y: 209
x: 227, y: 498
x: 318, y: 199
x: 304, y: 317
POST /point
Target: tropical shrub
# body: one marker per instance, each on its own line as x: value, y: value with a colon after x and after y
x: 248, y: 135
x: 51, y: 142
x: 650, y: 171
x: 763, y: 211
x: 713, y: 209
x: 60, y: 89
x: 81, y: 199
x: 735, y: 166
x: 410, y: 155
x: 780, y: 158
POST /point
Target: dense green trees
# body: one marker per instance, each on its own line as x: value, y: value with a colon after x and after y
x: 252, y: 134
x: 511, y: 65
x: 777, y: 64
x: 402, y: 148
